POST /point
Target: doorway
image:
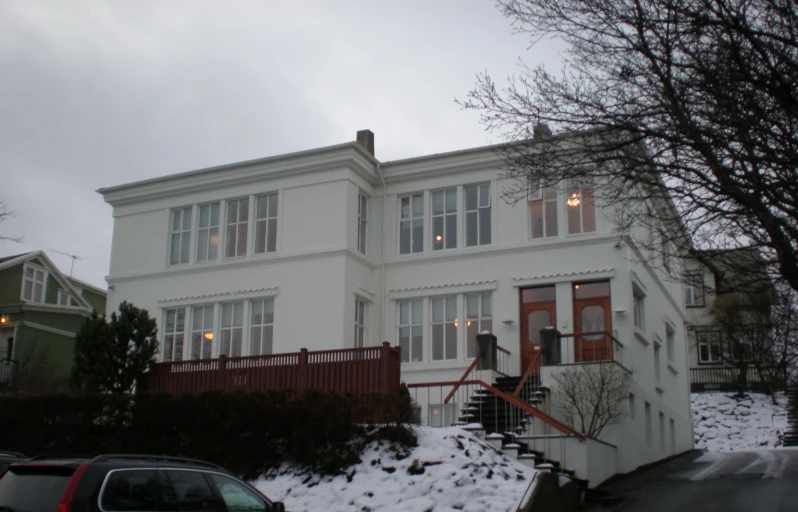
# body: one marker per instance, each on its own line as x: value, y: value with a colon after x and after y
x: 592, y: 322
x: 538, y: 310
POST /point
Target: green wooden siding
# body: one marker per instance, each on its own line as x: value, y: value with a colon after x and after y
x: 46, y: 354
x: 95, y: 300
x: 11, y: 285
x: 71, y: 322
x: 51, y: 290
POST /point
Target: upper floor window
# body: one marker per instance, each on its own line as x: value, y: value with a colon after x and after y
x: 208, y: 232
x: 709, y: 350
x: 667, y: 252
x: 638, y: 311
x: 360, y: 322
x: 670, y: 342
x: 237, y: 224
x: 232, y: 331
x: 201, y: 332
x: 261, y: 323
x: 444, y: 328
x: 411, y: 322
x: 266, y: 223
x: 581, y: 209
x: 477, y: 211
x: 444, y: 219
x: 543, y: 210
x: 362, y: 221
x: 33, y: 284
x: 479, y: 318
x: 63, y: 298
x: 173, y: 334
x: 181, y: 236
x: 694, y: 289
x: 411, y: 224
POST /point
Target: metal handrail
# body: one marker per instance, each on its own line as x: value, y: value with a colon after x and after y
x: 463, y: 378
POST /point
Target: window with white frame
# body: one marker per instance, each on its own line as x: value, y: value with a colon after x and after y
x: 360, y: 322
x: 442, y: 415
x: 479, y: 318
x: 173, y: 334
x: 261, y: 327
x: 411, y: 224
x: 477, y: 212
x: 670, y: 342
x: 411, y: 327
x: 444, y: 219
x: 201, y: 331
x: 543, y: 210
x: 63, y: 298
x: 581, y: 208
x: 237, y: 225
x: 638, y: 309
x: 444, y: 328
x: 265, y: 223
x: 208, y: 232
x: 657, y: 364
x: 662, y: 430
x: 709, y: 349
x: 694, y: 289
x: 34, y: 283
x: 232, y: 329
x: 648, y: 424
x: 180, y: 238
x: 362, y: 221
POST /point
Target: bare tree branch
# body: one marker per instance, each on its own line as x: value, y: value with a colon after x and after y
x: 6, y: 214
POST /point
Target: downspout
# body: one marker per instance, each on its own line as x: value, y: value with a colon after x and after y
x: 384, y: 231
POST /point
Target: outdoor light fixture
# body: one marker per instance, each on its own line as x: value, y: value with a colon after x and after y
x: 574, y: 199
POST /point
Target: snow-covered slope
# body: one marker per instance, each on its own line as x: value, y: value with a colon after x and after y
x: 724, y: 424
x: 448, y: 470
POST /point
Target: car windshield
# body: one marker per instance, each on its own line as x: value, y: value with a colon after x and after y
x: 33, y: 488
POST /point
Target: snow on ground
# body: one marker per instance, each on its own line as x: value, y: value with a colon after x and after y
x: 724, y: 424
x: 449, y: 470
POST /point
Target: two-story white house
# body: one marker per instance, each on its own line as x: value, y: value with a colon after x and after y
x: 331, y: 248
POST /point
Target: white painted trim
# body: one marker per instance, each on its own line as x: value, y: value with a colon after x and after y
x: 35, y: 267
x: 193, y: 300
x: 443, y: 289
x: 46, y: 328
x: 566, y: 277
x: 53, y: 308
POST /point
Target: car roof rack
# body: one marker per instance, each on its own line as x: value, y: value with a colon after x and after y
x: 164, y: 458
x: 12, y: 454
x: 58, y: 457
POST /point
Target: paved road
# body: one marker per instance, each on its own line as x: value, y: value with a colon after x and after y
x: 759, y: 481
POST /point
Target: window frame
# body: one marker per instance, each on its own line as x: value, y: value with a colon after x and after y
x: 262, y: 326
x: 445, y: 215
x: 182, y: 233
x: 446, y: 325
x: 670, y: 343
x: 174, y: 334
x: 209, y: 230
x: 412, y: 219
x: 667, y: 254
x: 638, y: 309
x: 128, y: 470
x: 694, y: 282
x: 481, y: 319
x: 362, y: 222
x: 545, y: 203
x: 203, y: 332
x: 701, y: 342
x: 361, y: 311
x: 232, y: 328
x: 63, y: 294
x: 45, y: 274
x: 411, y: 326
x: 580, y: 190
x: 237, y: 223
x: 477, y: 213
x: 271, y: 222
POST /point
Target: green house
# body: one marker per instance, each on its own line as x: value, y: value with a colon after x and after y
x: 41, y: 310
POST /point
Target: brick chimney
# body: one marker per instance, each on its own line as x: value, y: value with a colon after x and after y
x: 366, y: 139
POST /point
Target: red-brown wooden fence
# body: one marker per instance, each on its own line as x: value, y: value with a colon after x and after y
x: 357, y: 371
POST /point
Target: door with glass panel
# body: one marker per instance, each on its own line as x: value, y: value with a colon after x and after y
x: 538, y: 311
x: 592, y: 322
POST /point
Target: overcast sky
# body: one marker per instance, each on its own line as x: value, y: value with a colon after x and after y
x: 100, y: 93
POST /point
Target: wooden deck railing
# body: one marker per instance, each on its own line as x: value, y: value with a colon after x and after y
x: 357, y: 371
x: 726, y: 377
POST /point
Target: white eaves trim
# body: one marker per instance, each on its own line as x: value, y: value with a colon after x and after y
x: 270, y: 291
x: 604, y: 273
x: 443, y: 289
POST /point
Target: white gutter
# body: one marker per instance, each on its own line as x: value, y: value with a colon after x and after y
x: 384, y: 231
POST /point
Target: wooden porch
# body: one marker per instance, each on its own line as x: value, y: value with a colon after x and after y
x: 360, y: 371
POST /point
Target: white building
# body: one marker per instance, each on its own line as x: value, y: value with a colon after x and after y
x: 330, y: 248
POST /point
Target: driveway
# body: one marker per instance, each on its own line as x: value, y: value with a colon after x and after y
x: 759, y: 481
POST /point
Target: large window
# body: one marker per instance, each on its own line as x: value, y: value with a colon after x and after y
x: 411, y: 224
x: 33, y: 285
x: 694, y: 289
x: 232, y: 331
x: 173, y: 334
x: 581, y: 209
x: 543, y: 211
x: 709, y: 349
x: 265, y: 224
x: 444, y: 219
x: 237, y: 223
x: 670, y: 342
x: 444, y: 328
x: 360, y: 322
x: 201, y: 331
x: 180, y: 236
x: 479, y: 318
x: 208, y: 232
x: 477, y: 211
x: 261, y: 327
x: 657, y: 364
x: 638, y: 309
x: 362, y: 221
x: 411, y: 322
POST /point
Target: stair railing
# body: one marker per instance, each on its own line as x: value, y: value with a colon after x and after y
x: 533, y: 369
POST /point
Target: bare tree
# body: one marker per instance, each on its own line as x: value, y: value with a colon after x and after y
x: 689, y: 103
x: 6, y: 214
x: 591, y: 396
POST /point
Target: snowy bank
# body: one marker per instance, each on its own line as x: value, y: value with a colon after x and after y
x: 724, y: 424
x: 449, y: 470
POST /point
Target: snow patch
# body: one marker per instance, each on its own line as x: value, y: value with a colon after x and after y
x: 450, y: 469
x: 723, y: 423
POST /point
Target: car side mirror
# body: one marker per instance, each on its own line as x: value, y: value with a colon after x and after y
x: 278, y: 507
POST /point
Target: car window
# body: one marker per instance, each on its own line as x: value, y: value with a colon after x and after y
x: 33, y: 488
x: 130, y: 490
x: 237, y: 496
x: 188, y: 491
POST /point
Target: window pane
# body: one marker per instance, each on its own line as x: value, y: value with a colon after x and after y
x: 437, y: 233
x: 273, y: 205
x: 242, y: 240
x: 472, y: 306
x: 486, y: 305
x: 243, y: 210
x: 186, y: 240
x: 174, y: 249
x: 437, y: 310
x: 551, y: 218
x: 404, y: 343
x: 484, y: 196
x: 418, y: 206
x: 484, y: 227
x: 236, y: 496
x: 404, y: 237
x: 188, y: 490
x: 451, y: 308
x: 536, y: 212
x: 591, y: 290
x: 451, y: 231
x: 471, y: 229
x: 227, y: 315
x: 130, y: 490
x: 418, y: 236
x: 271, y: 243
x: 177, y: 220
x: 418, y: 304
x: 262, y: 206
x: 204, y: 215
x: 404, y: 209
x: 260, y: 236
x: 230, y: 249
x: 471, y: 198
x: 404, y: 313
x: 539, y: 294
x: 213, y: 243
x: 437, y: 342
x: 437, y: 202
x: 232, y: 212
x: 588, y: 211
x: 37, y: 292
x: 574, y: 225
x: 451, y: 341
x: 187, y: 219
x: 451, y: 200
x: 202, y: 245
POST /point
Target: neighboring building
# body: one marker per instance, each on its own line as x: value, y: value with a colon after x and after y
x: 732, y: 279
x: 331, y: 249
x: 41, y: 310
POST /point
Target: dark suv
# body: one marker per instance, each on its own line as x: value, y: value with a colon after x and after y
x: 115, y: 483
